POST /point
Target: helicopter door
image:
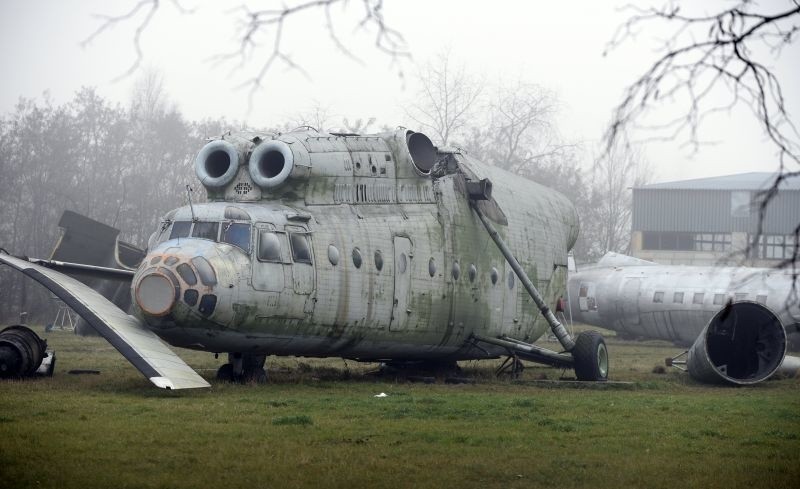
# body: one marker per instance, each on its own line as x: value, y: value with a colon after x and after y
x: 402, y: 284
x: 630, y: 300
x: 271, y: 256
x: 302, y: 259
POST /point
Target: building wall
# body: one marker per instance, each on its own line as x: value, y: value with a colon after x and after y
x: 712, y: 227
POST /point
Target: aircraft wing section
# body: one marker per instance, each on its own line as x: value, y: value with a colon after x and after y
x: 128, y: 335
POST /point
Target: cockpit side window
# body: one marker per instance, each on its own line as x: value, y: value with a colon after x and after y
x: 237, y: 234
x: 269, y: 246
x: 180, y: 229
x: 301, y: 250
x: 206, y: 230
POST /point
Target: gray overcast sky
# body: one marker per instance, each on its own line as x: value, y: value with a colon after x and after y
x: 555, y: 44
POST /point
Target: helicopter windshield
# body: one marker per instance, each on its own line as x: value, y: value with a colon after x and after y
x: 234, y: 233
x: 237, y: 234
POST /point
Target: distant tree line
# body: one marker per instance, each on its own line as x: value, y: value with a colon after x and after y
x: 124, y: 166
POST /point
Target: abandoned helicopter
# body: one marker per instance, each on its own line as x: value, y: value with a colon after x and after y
x: 369, y: 247
x: 737, y: 319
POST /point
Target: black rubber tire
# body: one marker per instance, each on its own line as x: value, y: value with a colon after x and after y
x: 591, y: 357
x: 225, y: 373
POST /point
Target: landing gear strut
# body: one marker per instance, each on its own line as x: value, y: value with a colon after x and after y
x: 587, y: 354
x: 243, y: 367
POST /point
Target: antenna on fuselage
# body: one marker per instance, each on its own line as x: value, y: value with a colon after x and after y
x: 189, y: 196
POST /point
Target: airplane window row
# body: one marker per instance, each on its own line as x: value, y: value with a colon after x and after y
x: 402, y: 264
x: 358, y: 259
x: 719, y: 299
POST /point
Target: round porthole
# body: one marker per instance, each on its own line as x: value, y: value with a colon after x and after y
x: 402, y: 263
x: 473, y: 272
x: 494, y: 275
x: 456, y: 270
x: 333, y: 255
x: 378, y: 260
x: 510, y: 280
x: 357, y: 257
x: 432, y: 267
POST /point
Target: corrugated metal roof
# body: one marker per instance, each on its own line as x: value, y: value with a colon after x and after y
x: 740, y: 181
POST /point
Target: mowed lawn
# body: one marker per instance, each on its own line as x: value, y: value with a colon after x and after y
x: 318, y: 424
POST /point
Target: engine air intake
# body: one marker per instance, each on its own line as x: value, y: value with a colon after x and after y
x: 216, y: 164
x: 271, y: 164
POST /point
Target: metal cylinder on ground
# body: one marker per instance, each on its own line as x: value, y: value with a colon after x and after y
x: 744, y: 343
x: 21, y: 352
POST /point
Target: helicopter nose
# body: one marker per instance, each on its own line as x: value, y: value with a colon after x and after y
x: 175, y: 281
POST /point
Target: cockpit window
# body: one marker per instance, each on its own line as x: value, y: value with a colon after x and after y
x: 237, y: 234
x: 236, y: 213
x: 180, y: 229
x: 301, y: 251
x: 206, y: 230
x: 205, y: 270
x: 187, y: 274
x: 269, y: 246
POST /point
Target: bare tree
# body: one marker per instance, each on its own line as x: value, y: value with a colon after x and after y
x: 522, y: 133
x: 709, y: 54
x: 317, y: 116
x: 607, y: 226
x: 148, y: 95
x: 262, y: 33
x: 447, y: 97
x: 357, y: 126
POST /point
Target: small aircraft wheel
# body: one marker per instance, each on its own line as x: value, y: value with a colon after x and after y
x: 591, y: 357
x: 225, y: 373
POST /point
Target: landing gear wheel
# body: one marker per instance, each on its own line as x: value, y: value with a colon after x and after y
x: 225, y: 373
x: 591, y: 357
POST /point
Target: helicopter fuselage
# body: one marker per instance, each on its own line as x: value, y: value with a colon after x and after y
x: 365, y: 248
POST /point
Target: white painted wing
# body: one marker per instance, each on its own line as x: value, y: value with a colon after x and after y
x: 128, y: 335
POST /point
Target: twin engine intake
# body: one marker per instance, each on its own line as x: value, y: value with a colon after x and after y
x: 269, y: 165
x: 347, y: 160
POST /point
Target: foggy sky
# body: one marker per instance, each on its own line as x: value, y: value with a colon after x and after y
x: 558, y: 45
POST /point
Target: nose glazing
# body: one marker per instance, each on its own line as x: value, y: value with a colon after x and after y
x: 159, y: 289
x: 157, y: 292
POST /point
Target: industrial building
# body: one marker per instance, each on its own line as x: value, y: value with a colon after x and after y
x: 715, y: 221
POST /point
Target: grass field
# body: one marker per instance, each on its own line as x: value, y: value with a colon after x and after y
x: 317, y: 423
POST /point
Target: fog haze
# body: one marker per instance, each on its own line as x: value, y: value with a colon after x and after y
x: 557, y: 45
